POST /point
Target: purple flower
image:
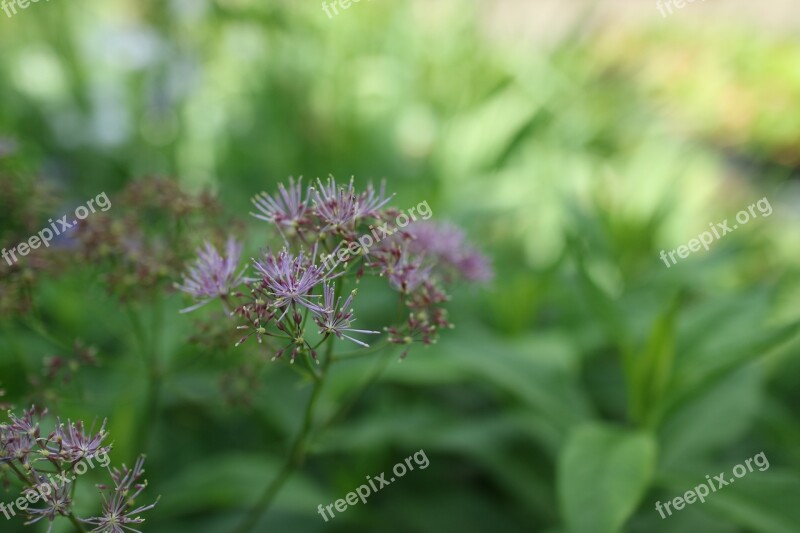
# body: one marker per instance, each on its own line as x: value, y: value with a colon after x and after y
x: 212, y: 275
x: 118, y: 506
x: 20, y: 438
x: 337, y: 319
x: 289, y: 279
x: 338, y: 206
x: 404, y: 270
x: 25, y: 425
x: 447, y: 244
x: 371, y: 201
x: 57, y: 503
x: 286, y: 210
x: 74, y: 444
x: 19, y: 448
x: 258, y: 315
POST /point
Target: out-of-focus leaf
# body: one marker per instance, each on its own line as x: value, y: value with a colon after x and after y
x: 686, y: 433
x: 233, y: 481
x: 764, y: 502
x: 602, y: 474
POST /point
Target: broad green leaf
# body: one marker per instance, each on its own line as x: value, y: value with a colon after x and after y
x: 602, y: 474
x: 685, y: 434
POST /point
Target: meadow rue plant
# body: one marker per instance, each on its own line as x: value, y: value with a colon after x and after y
x: 48, y: 467
x: 295, y: 302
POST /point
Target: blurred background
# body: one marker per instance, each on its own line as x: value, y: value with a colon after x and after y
x: 573, y: 140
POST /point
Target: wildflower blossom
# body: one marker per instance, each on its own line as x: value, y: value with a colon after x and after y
x: 336, y: 206
x: 370, y: 202
x: 22, y: 445
x: 287, y: 210
x: 417, y: 261
x: 404, y: 270
x: 289, y: 279
x: 74, y: 444
x: 119, y: 512
x: 336, y: 319
x: 447, y: 244
x: 213, y: 275
x: 57, y: 502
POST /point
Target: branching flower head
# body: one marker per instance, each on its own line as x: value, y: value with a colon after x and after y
x: 289, y: 279
x: 360, y: 236
x: 213, y: 275
x: 336, y: 206
x: 119, y: 502
x: 56, y: 500
x: 63, y: 451
x: 20, y: 437
x: 448, y: 245
x: 287, y: 210
x: 371, y: 201
x: 335, y: 318
x: 73, y: 444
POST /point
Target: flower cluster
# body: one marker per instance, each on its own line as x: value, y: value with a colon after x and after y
x: 148, y: 240
x: 213, y: 274
x: 119, y: 501
x: 47, y: 466
x: 292, y: 288
x: 24, y: 204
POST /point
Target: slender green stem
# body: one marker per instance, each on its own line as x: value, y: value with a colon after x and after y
x: 75, y: 522
x: 296, y: 453
x: 37, y: 326
x: 380, y: 368
x: 154, y: 378
x: 363, y: 352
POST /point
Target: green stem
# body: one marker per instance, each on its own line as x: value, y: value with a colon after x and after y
x: 296, y: 453
x: 75, y: 522
x: 154, y: 380
x: 380, y: 368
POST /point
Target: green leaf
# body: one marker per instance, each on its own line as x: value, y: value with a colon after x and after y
x: 652, y: 369
x: 764, y: 502
x: 685, y: 435
x: 602, y: 474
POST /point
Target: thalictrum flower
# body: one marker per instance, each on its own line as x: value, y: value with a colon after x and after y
x: 336, y: 206
x: 118, y: 506
x: 336, y: 318
x: 447, y: 244
x: 73, y: 444
x: 57, y: 502
x: 371, y: 201
x: 289, y: 279
x: 287, y: 210
x: 213, y: 275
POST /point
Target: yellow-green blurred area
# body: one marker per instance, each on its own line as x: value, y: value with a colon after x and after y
x: 585, y: 383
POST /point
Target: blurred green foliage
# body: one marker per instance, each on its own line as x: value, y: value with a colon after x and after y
x: 588, y: 382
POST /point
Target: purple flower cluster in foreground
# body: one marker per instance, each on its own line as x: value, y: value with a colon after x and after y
x: 292, y: 287
x: 47, y: 468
